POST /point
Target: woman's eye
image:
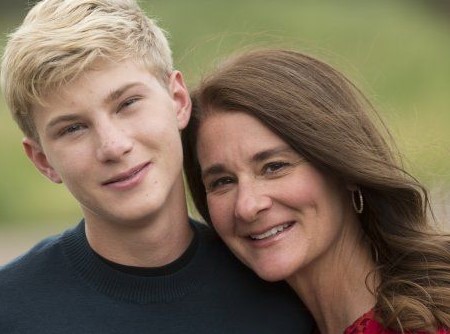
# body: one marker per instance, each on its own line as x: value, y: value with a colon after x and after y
x: 274, y: 167
x: 219, y: 183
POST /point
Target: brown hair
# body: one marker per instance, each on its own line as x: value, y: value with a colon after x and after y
x: 326, y: 119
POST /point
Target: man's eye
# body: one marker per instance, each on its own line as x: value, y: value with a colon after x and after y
x: 274, y: 167
x: 128, y: 102
x: 71, y: 129
x: 219, y: 183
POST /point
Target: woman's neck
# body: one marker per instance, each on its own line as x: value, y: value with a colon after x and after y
x: 334, y: 287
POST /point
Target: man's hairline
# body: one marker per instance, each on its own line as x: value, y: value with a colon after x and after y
x: 40, y: 100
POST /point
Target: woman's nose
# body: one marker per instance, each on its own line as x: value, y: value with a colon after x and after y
x: 252, y: 200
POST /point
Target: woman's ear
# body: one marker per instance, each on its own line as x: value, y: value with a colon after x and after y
x: 351, y: 187
x: 181, y: 98
x: 35, y: 153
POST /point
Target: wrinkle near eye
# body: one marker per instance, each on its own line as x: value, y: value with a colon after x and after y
x: 274, y: 167
x: 219, y: 184
x: 279, y: 168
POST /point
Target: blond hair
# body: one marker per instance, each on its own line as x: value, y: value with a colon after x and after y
x: 61, y: 39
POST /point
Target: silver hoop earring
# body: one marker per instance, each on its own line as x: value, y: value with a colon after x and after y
x: 358, y: 204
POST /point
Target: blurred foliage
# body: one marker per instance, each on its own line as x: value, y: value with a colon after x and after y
x: 397, y: 51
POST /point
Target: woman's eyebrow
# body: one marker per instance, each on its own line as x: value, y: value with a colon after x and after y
x: 258, y: 157
x: 213, y: 170
x: 266, y: 154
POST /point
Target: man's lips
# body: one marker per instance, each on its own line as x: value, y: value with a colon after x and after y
x: 126, y: 175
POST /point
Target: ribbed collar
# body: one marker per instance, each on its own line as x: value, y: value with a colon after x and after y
x: 131, y: 288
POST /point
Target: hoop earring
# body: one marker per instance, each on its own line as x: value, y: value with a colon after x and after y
x: 358, y: 204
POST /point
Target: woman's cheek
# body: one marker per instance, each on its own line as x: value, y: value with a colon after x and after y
x: 221, y: 212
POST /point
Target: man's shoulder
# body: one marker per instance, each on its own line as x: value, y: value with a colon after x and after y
x: 209, y: 239
x: 215, y: 254
x: 236, y: 287
x: 35, y: 259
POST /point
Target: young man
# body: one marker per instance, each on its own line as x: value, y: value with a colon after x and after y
x: 91, y: 85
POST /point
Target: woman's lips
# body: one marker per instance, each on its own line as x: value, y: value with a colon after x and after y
x: 271, y: 232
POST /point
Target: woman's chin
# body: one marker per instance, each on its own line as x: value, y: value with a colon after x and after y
x: 270, y: 274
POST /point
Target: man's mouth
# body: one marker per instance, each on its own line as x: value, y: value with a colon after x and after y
x: 126, y: 175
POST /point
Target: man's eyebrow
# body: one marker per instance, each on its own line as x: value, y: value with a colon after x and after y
x: 60, y: 119
x: 117, y: 93
x: 111, y: 97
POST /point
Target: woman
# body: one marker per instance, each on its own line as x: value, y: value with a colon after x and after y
x: 291, y: 165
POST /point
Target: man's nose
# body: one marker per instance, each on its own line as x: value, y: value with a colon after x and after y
x: 113, y: 143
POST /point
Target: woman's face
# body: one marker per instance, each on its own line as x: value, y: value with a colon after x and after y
x: 276, y: 212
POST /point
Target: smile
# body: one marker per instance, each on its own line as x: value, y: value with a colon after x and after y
x: 127, y: 176
x: 272, y: 232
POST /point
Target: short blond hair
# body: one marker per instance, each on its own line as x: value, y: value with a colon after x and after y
x: 60, y: 39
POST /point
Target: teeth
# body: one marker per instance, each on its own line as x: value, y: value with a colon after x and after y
x: 271, y: 232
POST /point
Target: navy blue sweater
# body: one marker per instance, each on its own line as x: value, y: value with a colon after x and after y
x: 62, y: 286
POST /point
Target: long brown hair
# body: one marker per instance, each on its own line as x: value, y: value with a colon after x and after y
x: 327, y: 120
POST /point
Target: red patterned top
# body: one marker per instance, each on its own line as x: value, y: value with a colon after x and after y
x: 367, y: 324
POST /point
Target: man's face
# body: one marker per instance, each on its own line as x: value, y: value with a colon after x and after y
x: 112, y: 137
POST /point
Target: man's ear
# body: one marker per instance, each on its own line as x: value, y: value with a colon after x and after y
x: 181, y: 98
x: 37, y: 156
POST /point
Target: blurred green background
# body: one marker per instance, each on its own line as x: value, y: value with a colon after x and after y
x: 398, y: 51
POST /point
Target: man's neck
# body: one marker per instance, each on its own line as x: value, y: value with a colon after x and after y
x: 155, y: 243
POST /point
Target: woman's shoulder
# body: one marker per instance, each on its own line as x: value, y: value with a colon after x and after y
x: 367, y: 324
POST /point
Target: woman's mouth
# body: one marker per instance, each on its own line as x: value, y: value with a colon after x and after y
x: 272, y: 232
